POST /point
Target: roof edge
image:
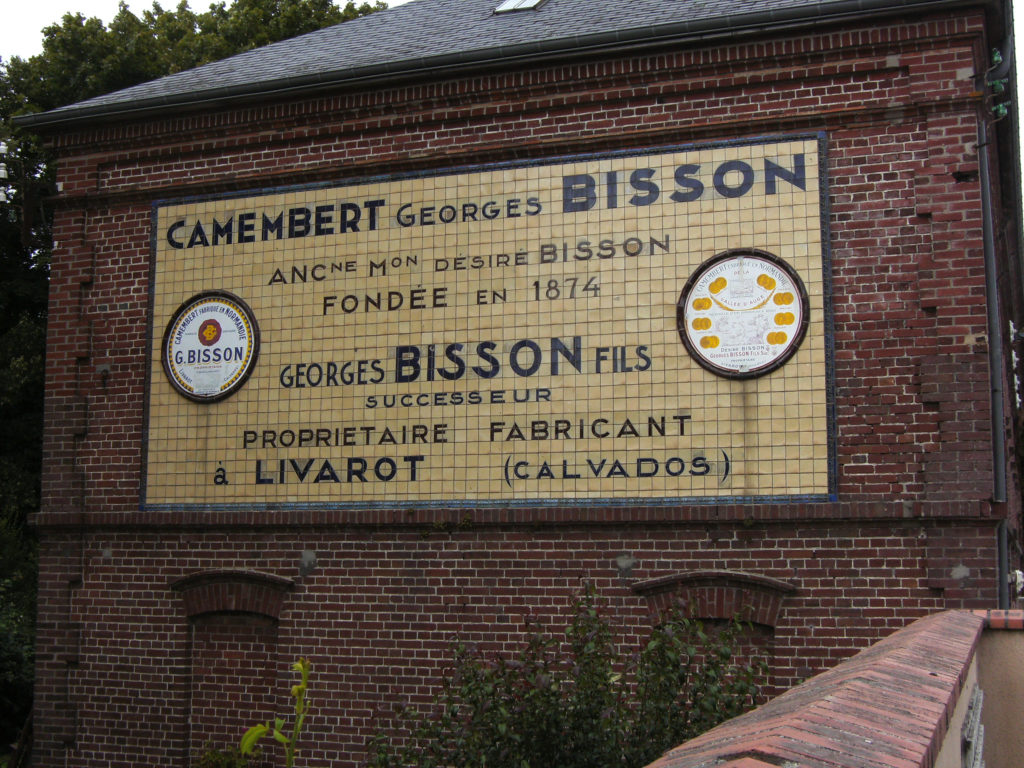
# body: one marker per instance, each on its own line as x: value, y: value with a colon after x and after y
x: 771, y: 19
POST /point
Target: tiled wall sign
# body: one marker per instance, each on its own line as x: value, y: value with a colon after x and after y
x: 619, y: 327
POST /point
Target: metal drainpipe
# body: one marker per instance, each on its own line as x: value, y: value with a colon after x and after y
x: 995, y: 361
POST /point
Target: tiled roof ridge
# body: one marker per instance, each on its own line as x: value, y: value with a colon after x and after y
x: 1002, y: 619
x: 889, y: 705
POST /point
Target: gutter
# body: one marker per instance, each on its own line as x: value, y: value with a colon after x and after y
x: 995, y: 334
x: 523, y: 53
x: 995, y: 343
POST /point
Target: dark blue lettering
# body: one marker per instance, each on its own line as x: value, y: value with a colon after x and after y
x: 797, y: 177
x: 683, y: 178
x: 198, y: 236
x: 575, y: 357
x: 483, y: 350
x: 350, y: 215
x: 745, y: 183
x: 171, y: 230
x: 223, y: 231
x: 578, y: 193
x: 513, y: 355
x: 247, y: 227
x: 324, y: 217
x: 640, y: 181
x: 273, y: 227
x: 407, y: 364
x: 298, y: 222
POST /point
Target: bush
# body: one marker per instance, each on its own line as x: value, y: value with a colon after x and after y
x: 576, y: 702
x: 16, y: 659
x: 225, y: 758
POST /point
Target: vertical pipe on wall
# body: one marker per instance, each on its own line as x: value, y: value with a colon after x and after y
x: 995, y: 335
x: 995, y: 361
x: 1003, y: 565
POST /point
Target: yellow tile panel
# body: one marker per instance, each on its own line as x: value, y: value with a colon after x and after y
x: 497, y: 335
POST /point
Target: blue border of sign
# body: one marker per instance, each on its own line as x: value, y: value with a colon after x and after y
x: 828, y: 327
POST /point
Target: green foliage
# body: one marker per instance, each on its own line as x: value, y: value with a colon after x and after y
x: 247, y: 24
x: 575, y: 702
x: 227, y: 758
x: 24, y: 260
x: 16, y: 669
x: 83, y: 58
x: 687, y: 682
x: 276, y: 729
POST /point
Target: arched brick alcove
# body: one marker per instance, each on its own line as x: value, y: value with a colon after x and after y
x: 233, y: 592
x: 233, y: 656
x: 718, y: 595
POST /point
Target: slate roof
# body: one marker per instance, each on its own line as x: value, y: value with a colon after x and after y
x: 427, y: 36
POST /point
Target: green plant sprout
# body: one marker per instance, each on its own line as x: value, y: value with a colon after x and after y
x: 276, y: 728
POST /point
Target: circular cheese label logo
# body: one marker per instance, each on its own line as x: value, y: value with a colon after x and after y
x: 209, y: 332
x: 210, y: 346
x: 743, y: 313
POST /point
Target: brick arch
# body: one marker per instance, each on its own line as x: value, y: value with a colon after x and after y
x: 212, y: 592
x: 718, y: 594
x: 233, y: 652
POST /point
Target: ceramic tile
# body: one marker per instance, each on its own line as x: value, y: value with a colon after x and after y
x: 473, y: 337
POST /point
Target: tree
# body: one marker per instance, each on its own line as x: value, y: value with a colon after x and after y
x: 81, y: 58
x: 25, y: 245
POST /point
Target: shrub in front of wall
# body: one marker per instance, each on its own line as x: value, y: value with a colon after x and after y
x: 576, y: 701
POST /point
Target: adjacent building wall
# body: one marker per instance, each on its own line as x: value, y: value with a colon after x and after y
x: 373, y: 596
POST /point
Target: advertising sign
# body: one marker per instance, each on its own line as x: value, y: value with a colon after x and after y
x: 630, y: 327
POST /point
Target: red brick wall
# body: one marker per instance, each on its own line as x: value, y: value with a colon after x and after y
x: 233, y: 673
x: 913, y: 530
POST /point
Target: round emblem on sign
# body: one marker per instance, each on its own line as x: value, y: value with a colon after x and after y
x: 743, y: 313
x: 210, y: 346
x: 209, y: 333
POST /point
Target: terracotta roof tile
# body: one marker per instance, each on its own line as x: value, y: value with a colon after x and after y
x: 1002, y: 619
x: 887, y: 707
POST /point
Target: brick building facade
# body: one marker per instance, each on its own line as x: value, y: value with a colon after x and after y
x: 166, y: 626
